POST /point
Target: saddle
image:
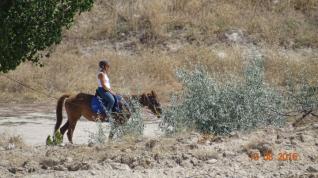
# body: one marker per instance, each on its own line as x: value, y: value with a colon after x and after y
x: 97, y: 104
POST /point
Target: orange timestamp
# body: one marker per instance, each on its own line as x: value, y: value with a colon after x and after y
x: 282, y: 156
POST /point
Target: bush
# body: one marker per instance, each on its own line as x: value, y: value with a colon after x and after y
x: 134, y: 126
x: 212, y: 106
x: 302, y: 96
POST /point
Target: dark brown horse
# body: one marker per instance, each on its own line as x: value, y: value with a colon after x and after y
x: 80, y: 105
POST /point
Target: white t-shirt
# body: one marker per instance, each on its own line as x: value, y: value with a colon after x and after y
x: 106, y: 79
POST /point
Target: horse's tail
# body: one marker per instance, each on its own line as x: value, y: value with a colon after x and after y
x: 59, y: 111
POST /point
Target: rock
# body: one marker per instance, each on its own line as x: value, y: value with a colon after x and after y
x: 228, y: 154
x: 234, y: 35
x: 193, y: 146
x: 96, y: 166
x: 119, y: 166
x: 68, y: 159
x: 151, y: 144
x: 194, y: 161
x: 278, y: 141
x: 315, y: 126
x: 217, y: 139
x: 312, y: 169
x: 91, y: 144
x: 93, y: 173
x: 78, y: 166
x: 221, y: 54
x: 10, y: 146
x: 49, y: 163
x: 293, y: 142
x: 300, y: 137
x: 59, y: 168
x: 186, y: 164
x: 234, y: 135
x: 253, y: 153
x: 30, y: 166
x: 185, y: 156
x: 264, y: 148
x: 14, y: 170
x: 212, y: 161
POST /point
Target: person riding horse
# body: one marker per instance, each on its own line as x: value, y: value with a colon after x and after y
x: 104, y: 89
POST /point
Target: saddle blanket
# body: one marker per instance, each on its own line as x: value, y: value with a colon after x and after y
x: 97, y: 104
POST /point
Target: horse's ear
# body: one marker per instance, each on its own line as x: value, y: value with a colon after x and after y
x: 153, y: 93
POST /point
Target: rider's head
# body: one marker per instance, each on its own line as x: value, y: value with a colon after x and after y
x: 103, y: 64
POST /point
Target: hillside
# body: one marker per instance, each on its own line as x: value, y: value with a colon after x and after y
x: 146, y: 41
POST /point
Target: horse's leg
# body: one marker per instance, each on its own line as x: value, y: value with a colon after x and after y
x: 73, y: 117
x: 64, y: 128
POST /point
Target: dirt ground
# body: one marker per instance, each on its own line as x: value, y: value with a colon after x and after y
x: 266, y: 152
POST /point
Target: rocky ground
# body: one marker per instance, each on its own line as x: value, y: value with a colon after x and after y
x: 290, y: 152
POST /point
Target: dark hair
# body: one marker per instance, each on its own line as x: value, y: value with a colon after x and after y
x: 103, y: 63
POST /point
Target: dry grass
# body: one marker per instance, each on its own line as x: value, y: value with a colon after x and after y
x: 133, y: 35
x: 288, y: 23
x: 151, y: 70
x: 11, y: 142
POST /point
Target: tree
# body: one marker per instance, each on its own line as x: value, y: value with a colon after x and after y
x: 30, y: 26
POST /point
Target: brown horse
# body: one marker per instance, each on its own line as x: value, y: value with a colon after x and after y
x: 80, y: 105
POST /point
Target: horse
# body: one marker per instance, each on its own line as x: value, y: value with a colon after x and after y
x: 80, y: 105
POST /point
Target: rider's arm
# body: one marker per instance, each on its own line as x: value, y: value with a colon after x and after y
x: 103, y: 82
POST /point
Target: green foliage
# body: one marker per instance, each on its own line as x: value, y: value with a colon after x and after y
x: 100, y: 136
x: 302, y: 95
x: 213, y: 106
x: 134, y: 126
x: 57, y: 139
x: 29, y: 26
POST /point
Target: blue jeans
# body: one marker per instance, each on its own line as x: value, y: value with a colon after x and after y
x: 108, y: 98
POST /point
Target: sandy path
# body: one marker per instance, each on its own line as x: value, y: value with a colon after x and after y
x: 35, y: 123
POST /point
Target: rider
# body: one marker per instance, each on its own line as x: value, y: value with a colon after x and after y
x: 104, y: 89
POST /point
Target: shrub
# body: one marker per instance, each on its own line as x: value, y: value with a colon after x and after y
x: 302, y: 96
x: 100, y: 136
x: 57, y: 139
x: 134, y: 126
x: 213, y: 106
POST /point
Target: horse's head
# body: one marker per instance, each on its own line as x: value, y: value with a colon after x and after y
x: 151, y: 101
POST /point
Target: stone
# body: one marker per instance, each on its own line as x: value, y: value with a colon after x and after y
x: 186, y: 164
x: 234, y: 135
x: 212, y: 161
x: 14, y: 170
x: 59, y: 168
x: 253, y: 153
x: 78, y: 166
x: 194, y: 161
x: 228, y: 154
x: 49, y: 162
x: 193, y: 146
x: 119, y: 166
x: 312, y: 169
x: 10, y: 146
x: 300, y: 137
x: 151, y: 144
x: 264, y: 148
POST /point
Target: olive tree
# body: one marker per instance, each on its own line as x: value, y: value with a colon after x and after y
x: 30, y: 26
